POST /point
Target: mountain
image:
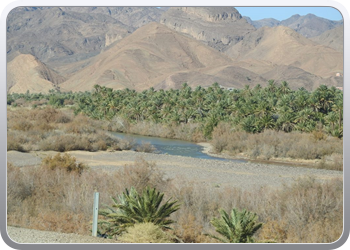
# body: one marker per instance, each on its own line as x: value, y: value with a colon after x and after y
x: 298, y: 78
x: 74, y: 48
x: 134, y: 17
x: 269, y: 22
x: 333, y: 38
x: 217, y: 27
x: 309, y: 25
x: 283, y: 46
x: 25, y: 72
x: 229, y: 76
x: 59, y: 36
x: 146, y: 58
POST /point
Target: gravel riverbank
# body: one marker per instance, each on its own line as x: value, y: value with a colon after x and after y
x: 212, y: 172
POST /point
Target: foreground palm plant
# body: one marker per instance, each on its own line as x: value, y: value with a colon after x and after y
x: 237, y: 228
x: 131, y: 208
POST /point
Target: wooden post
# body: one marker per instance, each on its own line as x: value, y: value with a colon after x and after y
x: 95, y: 214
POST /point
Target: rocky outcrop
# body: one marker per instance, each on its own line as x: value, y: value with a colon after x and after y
x: 217, y: 27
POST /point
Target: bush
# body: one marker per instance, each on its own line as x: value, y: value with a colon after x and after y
x: 14, y: 144
x: 131, y: 208
x: 127, y: 143
x: 142, y: 174
x: 146, y: 148
x: 238, y: 227
x: 22, y: 125
x: 64, y: 161
x: 145, y: 233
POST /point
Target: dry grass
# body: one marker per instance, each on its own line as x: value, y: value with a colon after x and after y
x: 146, y: 147
x: 57, y: 200
x: 58, y: 130
x: 272, y: 144
x: 146, y: 233
x: 64, y: 161
x: 141, y: 174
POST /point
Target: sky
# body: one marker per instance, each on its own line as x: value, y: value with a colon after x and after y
x: 282, y: 13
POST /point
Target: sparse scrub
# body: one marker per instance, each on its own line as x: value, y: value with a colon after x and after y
x: 306, y: 211
x: 14, y: 143
x: 65, y: 161
x: 145, y: 147
x: 145, y: 233
x: 57, y: 130
x: 127, y: 143
x: 279, y: 145
x: 140, y: 175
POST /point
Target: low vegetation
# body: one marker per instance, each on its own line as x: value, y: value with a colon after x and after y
x: 278, y: 145
x: 50, y: 129
x: 58, y: 200
x: 65, y: 161
x: 146, y: 233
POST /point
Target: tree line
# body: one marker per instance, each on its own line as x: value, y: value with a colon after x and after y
x: 253, y: 110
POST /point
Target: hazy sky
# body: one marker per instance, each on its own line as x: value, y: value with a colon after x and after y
x: 282, y: 13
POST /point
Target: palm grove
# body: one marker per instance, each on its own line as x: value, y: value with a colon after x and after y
x: 252, y: 110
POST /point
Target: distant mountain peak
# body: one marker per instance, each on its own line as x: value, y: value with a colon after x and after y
x: 213, y: 14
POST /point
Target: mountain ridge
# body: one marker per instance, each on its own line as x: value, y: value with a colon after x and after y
x: 202, y: 45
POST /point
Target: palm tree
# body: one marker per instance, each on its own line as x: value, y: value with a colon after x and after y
x: 239, y: 227
x: 248, y: 124
x: 332, y: 118
x: 284, y: 88
x: 131, y: 208
x: 338, y: 107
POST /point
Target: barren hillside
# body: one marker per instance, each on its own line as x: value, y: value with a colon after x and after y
x: 25, y: 72
x: 146, y: 58
x: 283, y: 46
x: 333, y: 38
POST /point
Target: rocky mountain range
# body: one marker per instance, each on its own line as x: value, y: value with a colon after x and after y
x: 308, y: 25
x: 74, y: 48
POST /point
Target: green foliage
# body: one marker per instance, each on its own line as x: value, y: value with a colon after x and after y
x: 239, y: 227
x: 131, y: 208
x: 254, y: 110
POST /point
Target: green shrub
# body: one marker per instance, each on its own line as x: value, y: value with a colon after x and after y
x: 131, y: 208
x: 239, y: 227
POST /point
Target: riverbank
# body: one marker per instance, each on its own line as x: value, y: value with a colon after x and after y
x: 208, y: 149
x: 213, y: 173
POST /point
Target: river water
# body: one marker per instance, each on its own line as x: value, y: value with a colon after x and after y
x: 172, y: 146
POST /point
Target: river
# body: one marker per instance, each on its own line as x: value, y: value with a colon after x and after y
x: 173, y: 146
